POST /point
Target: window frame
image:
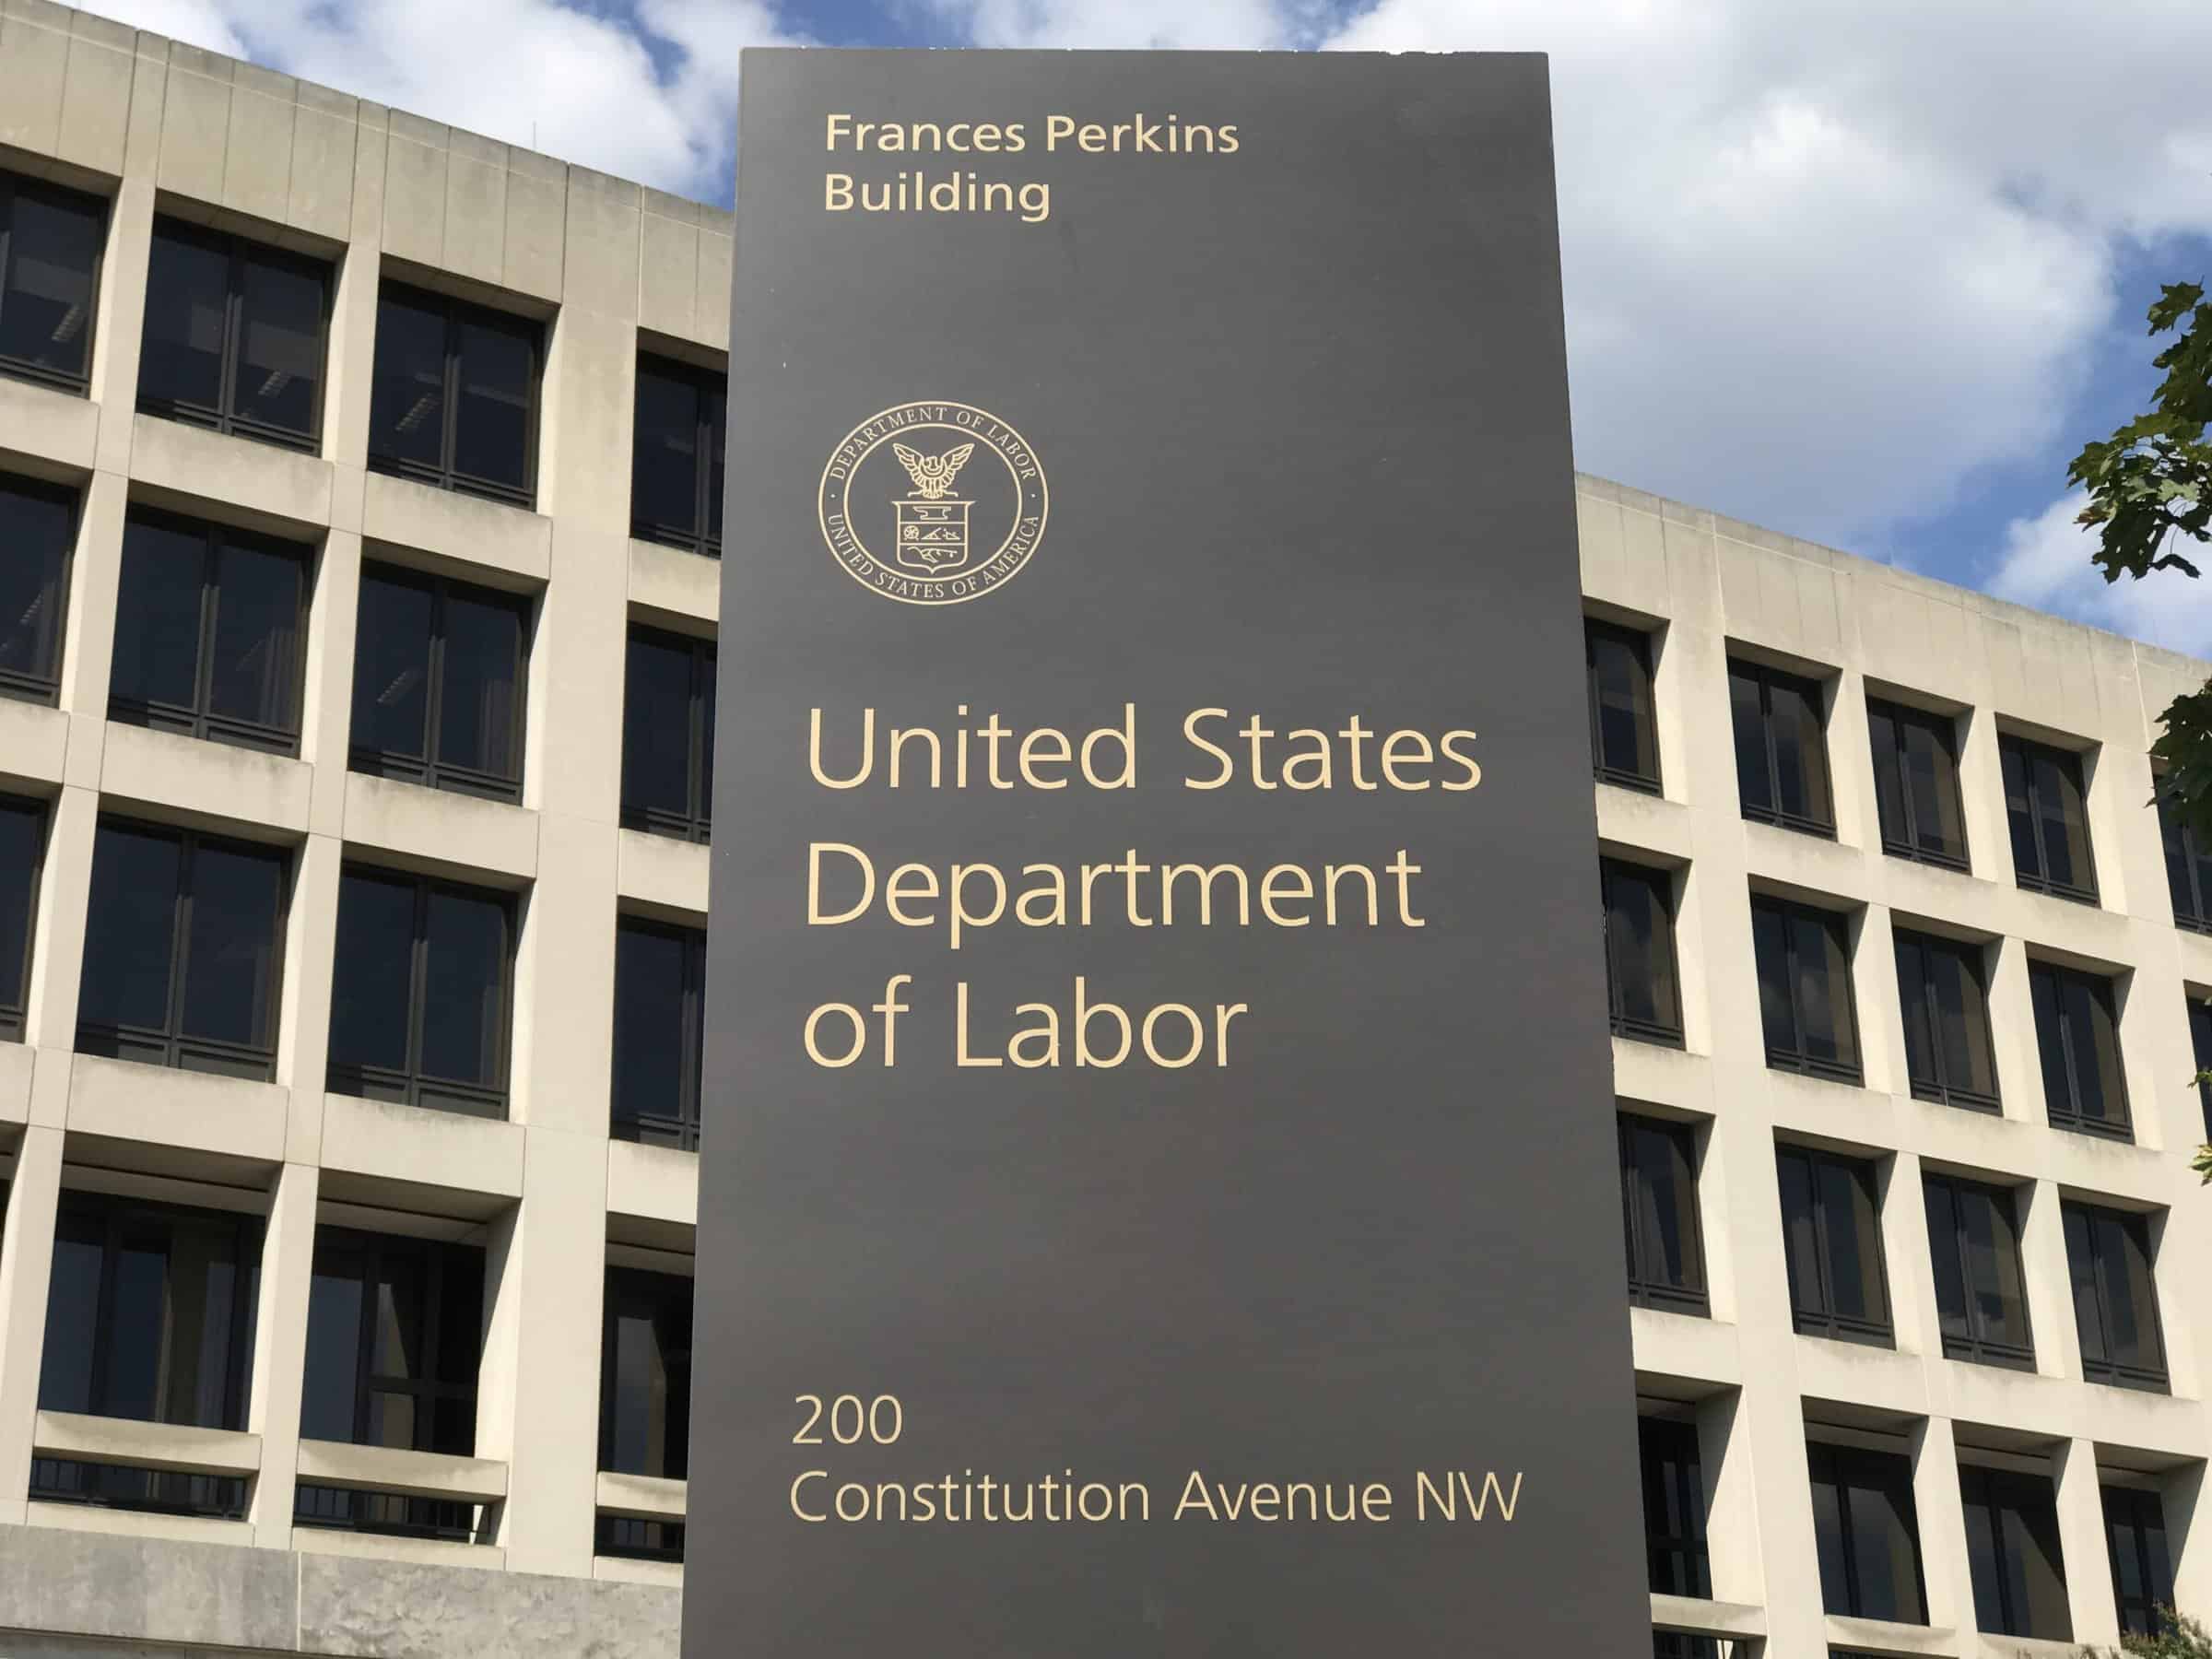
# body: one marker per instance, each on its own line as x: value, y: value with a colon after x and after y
x: 1826, y: 1320
x: 2101, y: 1367
x: 2178, y: 839
x: 1842, y: 1461
x: 1662, y: 881
x: 198, y: 721
x: 1639, y: 641
x: 2029, y: 751
x: 215, y: 1497
x: 697, y: 824
x: 1647, y: 1288
x: 46, y: 690
x: 1767, y: 679
x: 681, y: 1131
x: 13, y: 185
x: 2137, y: 1620
x: 446, y: 475
x: 621, y: 1280
x: 15, y: 1017
x: 1837, y: 923
x: 224, y: 418
x: 176, y: 1044
x: 1994, y: 1498
x: 2200, y: 1041
x: 1976, y: 1349
x: 1942, y: 1091
x: 1946, y: 729
x: 2070, y: 1116
x: 701, y: 382
x: 428, y: 769
x: 1684, y: 1480
x: 471, y: 1099
x: 369, y: 1249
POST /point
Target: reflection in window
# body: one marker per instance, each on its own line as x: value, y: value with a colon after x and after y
x: 394, y: 1331
x: 2188, y: 867
x: 1831, y: 1235
x: 2012, y: 1548
x: 668, y: 735
x: 660, y: 993
x: 50, y: 245
x: 1674, y: 1507
x: 22, y: 851
x: 2077, y: 1036
x: 1867, y: 1532
x: 2135, y: 1535
x: 677, y: 462
x: 1941, y: 992
x: 234, y: 333
x: 1916, y: 784
x: 1624, y: 742
x: 438, y: 683
x: 1804, y: 999
x: 1641, y: 987
x: 1659, y: 1206
x: 2048, y: 813
x: 2116, y: 1301
x: 38, y: 527
x: 1975, y: 1246
x: 1781, y: 750
x: 453, y: 400
x: 645, y: 1374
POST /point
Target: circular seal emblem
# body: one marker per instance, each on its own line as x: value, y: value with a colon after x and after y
x: 932, y: 503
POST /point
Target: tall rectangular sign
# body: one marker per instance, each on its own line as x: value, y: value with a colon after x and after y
x: 1160, y: 1186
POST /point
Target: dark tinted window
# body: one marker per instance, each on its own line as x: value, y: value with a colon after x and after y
x: 2077, y: 1036
x: 660, y: 986
x: 645, y: 1374
x: 2116, y: 1301
x: 2045, y: 805
x: 1624, y: 741
x: 438, y: 683
x: 50, y: 245
x: 234, y: 335
x: 1781, y: 750
x: 395, y: 1330
x: 2013, y: 1553
x: 638, y: 1538
x: 1832, y: 1232
x: 1916, y: 784
x: 207, y: 629
x: 1674, y: 1507
x: 1868, y: 1534
x: 2135, y: 1535
x: 453, y: 401
x: 668, y: 735
x: 1941, y: 992
x: 182, y: 941
x: 2188, y: 868
x: 38, y: 527
x: 22, y: 851
x: 1975, y: 1246
x: 1659, y: 1207
x: 676, y: 463
x: 1805, y: 997
x: 2200, y: 1035
x: 150, y: 1311
x: 129, y: 1487
x: 1642, y: 985
x: 393, y: 1514
x: 420, y: 997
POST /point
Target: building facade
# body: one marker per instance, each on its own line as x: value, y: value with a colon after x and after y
x: 360, y: 500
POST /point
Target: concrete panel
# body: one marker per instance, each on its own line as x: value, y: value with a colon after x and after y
x: 17, y: 1063
x: 216, y: 785
x: 711, y: 310
x: 668, y: 275
x: 388, y: 1469
x: 671, y: 580
x: 33, y: 743
x: 149, y: 1445
x: 430, y: 829
x: 599, y: 270
x: 126, y: 1100
x: 135, y: 1587
x: 476, y: 217
x: 464, y: 530
x: 51, y: 428
x: 196, y: 129
x: 34, y: 61
x: 656, y: 1183
x: 398, y: 1142
x: 319, y: 198
x: 413, y: 199
x: 96, y: 99
x: 280, y: 489
x: 663, y: 874
x: 258, y: 157
x: 536, y: 226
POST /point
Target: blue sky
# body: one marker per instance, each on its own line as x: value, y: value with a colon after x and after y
x: 1867, y: 271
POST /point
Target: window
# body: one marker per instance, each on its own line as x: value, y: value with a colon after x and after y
x: 2135, y: 1535
x: 22, y: 852
x: 182, y: 940
x: 1974, y: 1244
x: 677, y: 462
x: 638, y: 1538
x: 1804, y: 999
x: 2200, y: 1034
x: 1674, y: 1507
x: 2012, y: 1551
x: 668, y: 735
x: 395, y: 1514
x: 1832, y: 1237
x: 38, y: 527
x: 420, y: 1000
x: 660, y: 989
x: 645, y: 1374
x: 49, y: 246
x: 207, y: 628
x: 1659, y: 1207
x: 1867, y: 1533
x: 1916, y: 784
x: 1641, y: 981
x: 2077, y: 1034
x: 2116, y: 1301
x: 438, y: 683
x: 1780, y: 750
x: 395, y: 1329
x: 234, y: 335
x: 150, y: 1315
x: 453, y: 401
x: 2188, y: 867
x: 2047, y: 809
x: 1949, y: 1057
x: 1624, y: 741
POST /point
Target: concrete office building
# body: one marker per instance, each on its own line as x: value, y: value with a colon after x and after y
x: 356, y: 660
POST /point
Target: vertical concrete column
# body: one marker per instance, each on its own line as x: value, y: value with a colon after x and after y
x: 287, y: 1256
x: 1981, y: 789
x: 95, y: 578
x: 2012, y: 1033
x: 1943, y: 1557
x: 1850, y: 765
x: 303, y: 1031
x: 2050, y: 1281
x: 2081, y: 1542
x: 121, y: 317
x: 57, y: 949
x: 1906, y: 1253
x: 1881, y: 1019
x: 2189, y: 1534
x: 26, y: 1267
x: 352, y: 357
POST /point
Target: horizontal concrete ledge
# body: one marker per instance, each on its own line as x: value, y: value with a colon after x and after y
x: 146, y: 1445
x: 384, y: 1469
x: 1881, y: 1636
x: 1692, y: 1616
x: 644, y: 1496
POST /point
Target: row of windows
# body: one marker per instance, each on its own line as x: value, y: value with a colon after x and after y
x: 150, y: 1316
x: 1838, y: 1285
x: 1782, y: 774
x: 236, y: 339
x: 208, y: 627
x: 1808, y: 1008
x: 182, y: 965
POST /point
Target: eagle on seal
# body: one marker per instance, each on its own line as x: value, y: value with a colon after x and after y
x: 933, y: 475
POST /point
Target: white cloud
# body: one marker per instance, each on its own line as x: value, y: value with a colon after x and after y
x: 1194, y: 25
x: 2045, y: 562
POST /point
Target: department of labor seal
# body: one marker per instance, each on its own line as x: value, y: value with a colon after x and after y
x: 932, y: 503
